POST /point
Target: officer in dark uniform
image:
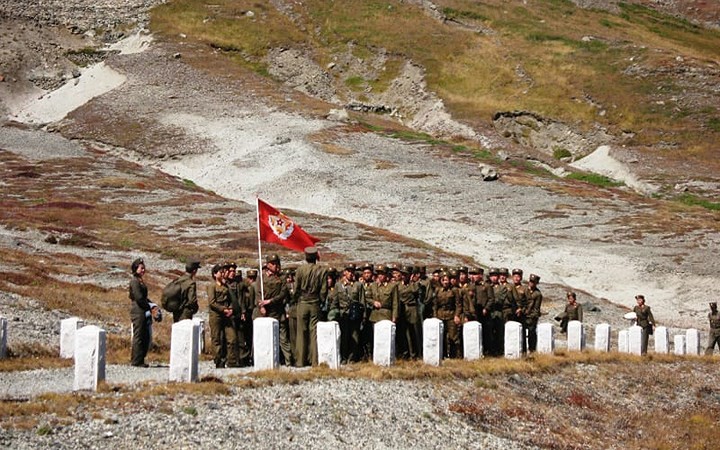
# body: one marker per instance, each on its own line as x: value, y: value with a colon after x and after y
x: 347, y: 306
x: 410, y: 330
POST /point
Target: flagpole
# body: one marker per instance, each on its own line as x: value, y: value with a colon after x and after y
x: 257, y: 210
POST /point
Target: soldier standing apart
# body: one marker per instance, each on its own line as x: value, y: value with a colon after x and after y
x: 714, y: 337
x: 275, y: 292
x: 645, y: 320
x: 347, y: 303
x: 188, y: 292
x: 220, y: 317
x: 532, y: 310
x: 448, y: 308
x: 138, y: 294
x: 573, y: 311
x: 310, y: 289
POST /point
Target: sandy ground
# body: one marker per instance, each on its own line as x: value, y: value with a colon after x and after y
x: 252, y: 148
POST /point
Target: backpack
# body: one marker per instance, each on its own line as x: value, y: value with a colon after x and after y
x: 171, y: 299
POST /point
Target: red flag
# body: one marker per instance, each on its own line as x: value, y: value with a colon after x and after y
x: 274, y: 226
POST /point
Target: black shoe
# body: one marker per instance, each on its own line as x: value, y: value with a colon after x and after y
x: 140, y: 365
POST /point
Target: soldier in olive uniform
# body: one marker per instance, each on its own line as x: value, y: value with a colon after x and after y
x: 236, y: 289
x: 467, y: 293
x: 188, y: 292
x: 497, y: 322
x: 310, y: 288
x: 367, y: 279
x: 519, y: 293
x: 484, y: 298
x: 573, y: 311
x: 504, y: 294
x: 645, y: 320
x: 531, y: 312
x: 138, y: 294
x: 448, y: 308
x: 220, y: 318
x: 250, y: 309
x: 714, y: 336
x: 385, y: 300
x: 347, y: 304
x: 291, y: 310
x: 410, y: 330
x: 275, y: 293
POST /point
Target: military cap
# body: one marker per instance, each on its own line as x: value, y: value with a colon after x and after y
x: 135, y: 264
x: 350, y: 266
x: 453, y: 273
x: 392, y: 267
x: 291, y: 270
x: 192, y: 265
x: 407, y: 269
x: 231, y: 265
x: 381, y: 268
x: 517, y: 272
x: 252, y: 273
x: 438, y: 271
x: 275, y: 259
x: 311, y: 250
x: 332, y: 270
x: 639, y: 297
x: 504, y: 271
x: 444, y: 274
x: 462, y: 269
x: 713, y: 304
x: 572, y: 294
x: 534, y: 278
x: 367, y: 266
x: 216, y: 268
x: 417, y: 269
x: 476, y: 271
x: 494, y: 271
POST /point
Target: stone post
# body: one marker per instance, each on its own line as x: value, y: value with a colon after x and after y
x: 201, y: 324
x: 3, y: 337
x: 384, y: 343
x: 433, y: 345
x: 513, y: 340
x: 68, y: 328
x: 184, y: 343
x: 662, y: 341
x: 602, y: 337
x: 546, y: 338
x: 623, y: 341
x: 692, y: 342
x: 328, y: 343
x: 266, y: 343
x: 575, y: 336
x: 635, y: 334
x: 679, y: 344
x: 89, y: 354
x: 472, y: 340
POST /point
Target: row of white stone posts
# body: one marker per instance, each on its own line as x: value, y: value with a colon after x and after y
x: 87, y: 344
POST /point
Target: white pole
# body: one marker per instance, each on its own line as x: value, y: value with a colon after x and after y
x: 260, y: 272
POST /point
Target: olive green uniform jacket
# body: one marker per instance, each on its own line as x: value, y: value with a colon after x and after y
x: 387, y: 295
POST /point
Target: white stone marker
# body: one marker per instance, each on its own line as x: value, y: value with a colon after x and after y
x: 328, y: 343
x: 472, y: 340
x: 692, y: 342
x: 623, y: 341
x: 3, y: 337
x: 575, y: 336
x: 546, y: 338
x: 662, y: 340
x: 513, y: 340
x: 68, y: 328
x: 90, y: 345
x: 184, y: 343
x: 679, y: 344
x: 635, y: 334
x: 201, y: 324
x: 266, y: 343
x: 384, y: 343
x: 433, y: 344
x: 602, y: 337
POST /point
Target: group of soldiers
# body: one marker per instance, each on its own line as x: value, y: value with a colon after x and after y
x: 359, y: 295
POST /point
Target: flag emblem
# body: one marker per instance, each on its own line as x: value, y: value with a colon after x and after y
x: 281, y: 225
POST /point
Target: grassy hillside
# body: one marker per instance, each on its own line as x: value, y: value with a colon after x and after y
x: 549, y: 57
